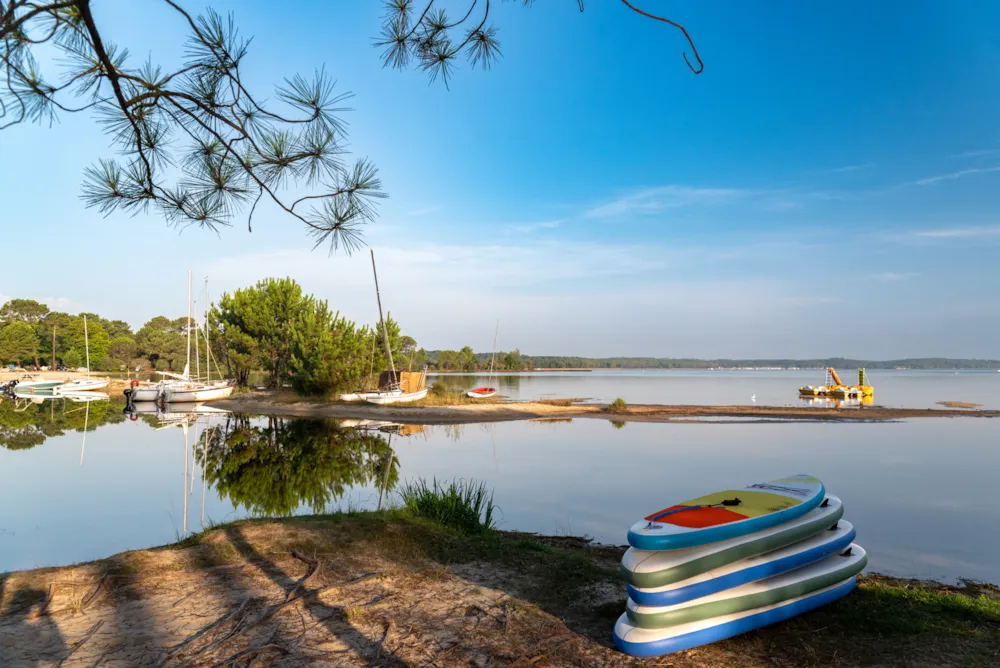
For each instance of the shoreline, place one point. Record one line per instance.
(369, 588)
(287, 404)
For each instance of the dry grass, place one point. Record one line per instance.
(959, 404)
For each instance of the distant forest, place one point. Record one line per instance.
(529, 362)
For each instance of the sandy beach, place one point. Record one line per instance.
(275, 403)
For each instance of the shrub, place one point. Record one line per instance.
(461, 505)
(617, 406)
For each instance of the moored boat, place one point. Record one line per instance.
(83, 385)
(197, 393)
(487, 390)
(396, 397)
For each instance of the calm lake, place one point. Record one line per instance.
(895, 388)
(921, 492)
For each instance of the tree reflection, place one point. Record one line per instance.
(272, 466)
(25, 424)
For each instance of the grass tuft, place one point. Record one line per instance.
(466, 506)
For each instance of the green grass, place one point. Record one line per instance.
(466, 506)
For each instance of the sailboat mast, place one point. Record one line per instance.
(385, 332)
(187, 367)
(86, 343)
(197, 353)
(493, 357)
(208, 350)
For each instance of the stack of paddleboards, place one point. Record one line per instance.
(733, 561)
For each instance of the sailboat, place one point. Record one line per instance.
(395, 392)
(84, 384)
(196, 392)
(488, 390)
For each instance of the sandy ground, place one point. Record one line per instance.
(283, 404)
(364, 591)
(172, 608)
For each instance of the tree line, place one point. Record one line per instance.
(272, 327)
(467, 360)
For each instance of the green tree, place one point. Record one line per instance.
(116, 328)
(254, 326)
(512, 361)
(327, 351)
(274, 468)
(122, 349)
(18, 342)
(80, 336)
(22, 310)
(59, 323)
(196, 144)
(163, 339)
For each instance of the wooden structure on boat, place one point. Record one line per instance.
(836, 388)
(407, 381)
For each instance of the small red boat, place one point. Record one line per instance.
(481, 392)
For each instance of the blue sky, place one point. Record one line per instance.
(828, 186)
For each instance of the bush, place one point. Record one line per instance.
(461, 505)
(617, 406)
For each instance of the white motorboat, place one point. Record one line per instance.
(83, 385)
(396, 397)
(32, 386)
(87, 384)
(84, 397)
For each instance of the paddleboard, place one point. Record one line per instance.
(657, 642)
(818, 575)
(657, 568)
(728, 514)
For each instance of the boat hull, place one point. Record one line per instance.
(83, 385)
(196, 394)
(481, 392)
(397, 398)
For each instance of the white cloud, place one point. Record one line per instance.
(527, 228)
(955, 175)
(566, 297)
(977, 153)
(667, 197)
(894, 275)
(960, 232)
(852, 168)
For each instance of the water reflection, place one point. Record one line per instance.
(273, 466)
(509, 384)
(26, 422)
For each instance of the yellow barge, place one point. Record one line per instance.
(834, 387)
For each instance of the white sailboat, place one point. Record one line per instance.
(84, 384)
(394, 394)
(196, 392)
